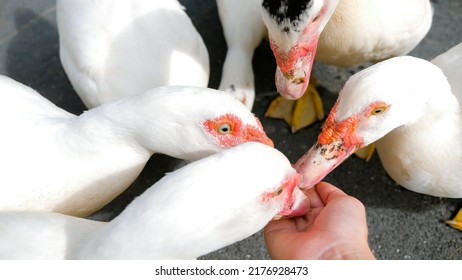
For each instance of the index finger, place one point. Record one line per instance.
(325, 192)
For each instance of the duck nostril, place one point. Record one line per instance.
(332, 150)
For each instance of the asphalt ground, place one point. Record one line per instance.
(402, 224)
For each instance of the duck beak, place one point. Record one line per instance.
(320, 160)
(255, 135)
(337, 141)
(300, 205)
(294, 69)
(296, 203)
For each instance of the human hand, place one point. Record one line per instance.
(334, 228)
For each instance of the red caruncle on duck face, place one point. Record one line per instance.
(229, 131)
(294, 40)
(337, 141)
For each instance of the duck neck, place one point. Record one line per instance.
(412, 154)
(160, 122)
(166, 223)
(127, 124)
(142, 233)
(439, 114)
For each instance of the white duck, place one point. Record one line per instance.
(52, 160)
(355, 31)
(204, 206)
(416, 121)
(114, 48)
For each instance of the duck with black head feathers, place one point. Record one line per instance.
(343, 33)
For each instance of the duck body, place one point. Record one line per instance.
(112, 49)
(416, 123)
(56, 161)
(369, 31)
(188, 213)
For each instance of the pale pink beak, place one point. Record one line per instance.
(296, 204)
(320, 160)
(294, 69)
(300, 204)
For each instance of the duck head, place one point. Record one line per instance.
(192, 122)
(294, 27)
(398, 93)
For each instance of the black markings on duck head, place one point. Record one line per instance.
(288, 13)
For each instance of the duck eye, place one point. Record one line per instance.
(224, 128)
(378, 110)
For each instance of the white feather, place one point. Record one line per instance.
(52, 160)
(356, 32)
(372, 30)
(418, 137)
(115, 48)
(243, 30)
(206, 205)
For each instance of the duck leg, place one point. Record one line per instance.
(457, 221)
